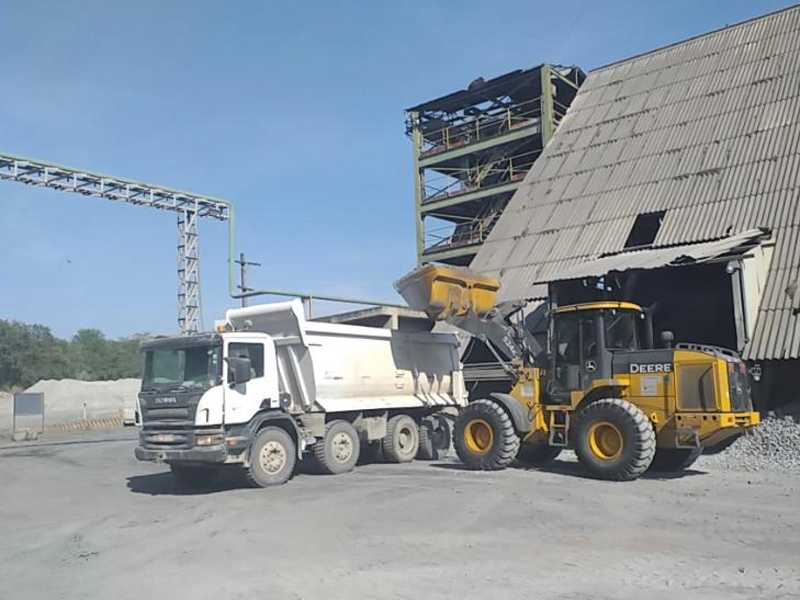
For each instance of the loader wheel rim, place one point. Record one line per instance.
(272, 457)
(478, 436)
(605, 440)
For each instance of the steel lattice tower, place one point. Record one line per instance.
(188, 206)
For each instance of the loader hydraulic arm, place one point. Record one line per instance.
(466, 300)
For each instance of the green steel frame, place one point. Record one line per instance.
(444, 134)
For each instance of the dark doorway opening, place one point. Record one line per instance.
(695, 302)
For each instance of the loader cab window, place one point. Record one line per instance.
(568, 354)
(622, 329)
(567, 339)
(577, 351)
(255, 352)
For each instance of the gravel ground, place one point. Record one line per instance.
(80, 518)
(774, 445)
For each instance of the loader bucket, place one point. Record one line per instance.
(444, 292)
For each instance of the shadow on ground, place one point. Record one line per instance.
(574, 469)
(164, 484)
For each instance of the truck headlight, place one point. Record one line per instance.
(209, 440)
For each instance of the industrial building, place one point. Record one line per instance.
(672, 181)
(472, 149)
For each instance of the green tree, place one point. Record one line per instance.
(29, 353)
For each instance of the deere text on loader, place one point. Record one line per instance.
(586, 377)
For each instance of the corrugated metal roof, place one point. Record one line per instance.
(707, 130)
(655, 258)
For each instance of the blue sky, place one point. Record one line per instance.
(291, 110)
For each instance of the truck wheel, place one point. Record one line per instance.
(273, 455)
(338, 451)
(537, 454)
(401, 442)
(434, 438)
(484, 436)
(193, 476)
(671, 460)
(614, 440)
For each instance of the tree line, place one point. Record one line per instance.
(29, 353)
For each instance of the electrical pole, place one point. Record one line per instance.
(243, 264)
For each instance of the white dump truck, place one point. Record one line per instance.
(269, 386)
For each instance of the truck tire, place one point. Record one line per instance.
(434, 438)
(193, 476)
(484, 436)
(671, 460)
(614, 440)
(537, 454)
(401, 442)
(338, 451)
(273, 455)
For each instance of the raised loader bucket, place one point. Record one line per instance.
(444, 292)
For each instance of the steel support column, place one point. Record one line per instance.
(419, 184)
(547, 111)
(188, 273)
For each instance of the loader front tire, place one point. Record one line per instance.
(672, 460)
(484, 436)
(614, 440)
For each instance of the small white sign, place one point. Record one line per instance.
(649, 386)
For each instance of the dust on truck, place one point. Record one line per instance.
(269, 387)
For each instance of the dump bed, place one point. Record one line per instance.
(332, 367)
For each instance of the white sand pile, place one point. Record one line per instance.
(65, 399)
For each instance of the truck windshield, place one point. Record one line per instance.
(621, 329)
(197, 366)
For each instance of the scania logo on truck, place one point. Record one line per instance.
(651, 368)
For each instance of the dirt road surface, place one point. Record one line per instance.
(81, 518)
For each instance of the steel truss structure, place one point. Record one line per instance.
(188, 206)
(472, 149)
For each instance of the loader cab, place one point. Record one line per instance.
(584, 338)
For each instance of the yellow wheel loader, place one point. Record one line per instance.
(586, 377)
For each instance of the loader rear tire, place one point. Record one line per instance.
(338, 451)
(537, 454)
(484, 436)
(671, 460)
(401, 442)
(434, 438)
(614, 440)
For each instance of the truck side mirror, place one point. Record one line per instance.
(238, 369)
(666, 338)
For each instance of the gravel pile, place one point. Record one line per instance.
(772, 445)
